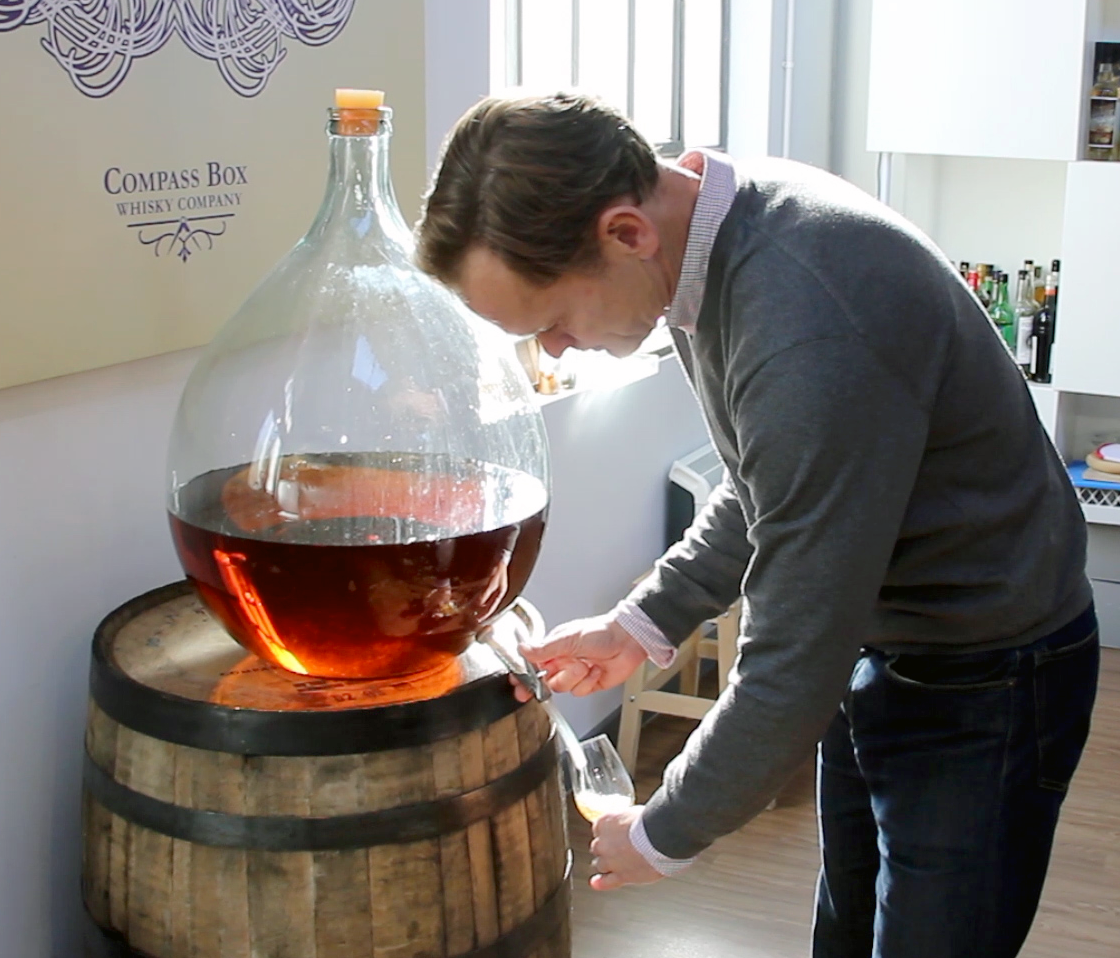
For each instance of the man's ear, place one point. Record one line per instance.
(625, 230)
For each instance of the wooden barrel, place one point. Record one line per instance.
(235, 811)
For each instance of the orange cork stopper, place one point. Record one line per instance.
(359, 99)
(359, 111)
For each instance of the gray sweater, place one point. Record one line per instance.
(890, 485)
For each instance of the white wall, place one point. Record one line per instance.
(763, 69)
(813, 56)
(611, 453)
(456, 64)
(82, 529)
(988, 210)
(848, 155)
(755, 79)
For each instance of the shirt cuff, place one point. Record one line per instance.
(660, 863)
(660, 650)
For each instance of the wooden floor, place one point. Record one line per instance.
(751, 895)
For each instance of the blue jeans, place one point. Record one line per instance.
(940, 782)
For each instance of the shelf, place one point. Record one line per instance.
(1100, 501)
(1101, 515)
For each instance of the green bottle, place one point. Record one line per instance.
(1001, 310)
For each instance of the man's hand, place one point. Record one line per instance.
(584, 656)
(616, 861)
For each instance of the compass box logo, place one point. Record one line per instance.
(178, 212)
(175, 212)
(159, 157)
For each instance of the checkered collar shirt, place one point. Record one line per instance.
(717, 193)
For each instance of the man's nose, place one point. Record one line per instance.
(554, 342)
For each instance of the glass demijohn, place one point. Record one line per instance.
(358, 471)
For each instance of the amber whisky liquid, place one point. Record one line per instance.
(593, 806)
(359, 566)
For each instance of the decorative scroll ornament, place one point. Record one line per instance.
(97, 41)
(182, 237)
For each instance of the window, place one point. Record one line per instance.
(663, 62)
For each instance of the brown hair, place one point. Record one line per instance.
(527, 178)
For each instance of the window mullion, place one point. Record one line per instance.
(631, 30)
(575, 42)
(724, 71)
(515, 43)
(676, 119)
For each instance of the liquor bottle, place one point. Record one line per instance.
(974, 281)
(1043, 338)
(1025, 311)
(1039, 287)
(1052, 280)
(964, 270)
(1103, 116)
(1001, 310)
(985, 292)
(998, 276)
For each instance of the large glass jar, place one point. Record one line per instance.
(358, 471)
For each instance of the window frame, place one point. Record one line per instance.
(514, 45)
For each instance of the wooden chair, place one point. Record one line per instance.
(644, 690)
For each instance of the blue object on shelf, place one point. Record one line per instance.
(1077, 476)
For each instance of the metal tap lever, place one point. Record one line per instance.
(518, 667)
(535, 683)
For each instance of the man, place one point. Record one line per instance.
(908, 547)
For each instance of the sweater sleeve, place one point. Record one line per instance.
(830, 444)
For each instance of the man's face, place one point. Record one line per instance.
(612, 306)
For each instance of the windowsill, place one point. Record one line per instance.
(598, 372)
(607, 377)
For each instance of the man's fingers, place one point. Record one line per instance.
(520, 693)
(592, 682)
(607, 882)
(550, 648)
(570, 675)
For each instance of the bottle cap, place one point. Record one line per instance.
(346, 99)
(358, 111)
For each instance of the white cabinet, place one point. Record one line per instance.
(1087, 351)
(1046, 403)
(998, 78)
